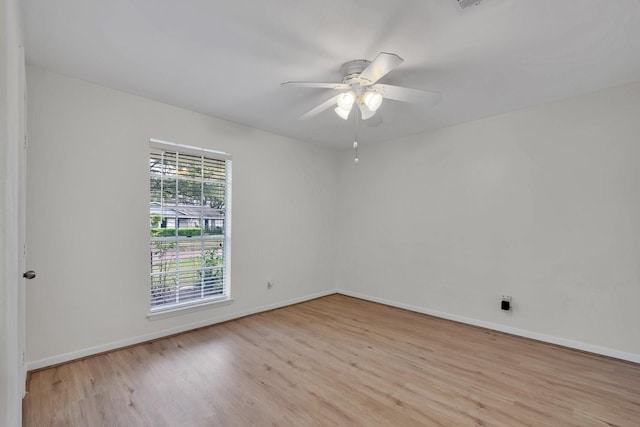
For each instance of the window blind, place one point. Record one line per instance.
(190, 205)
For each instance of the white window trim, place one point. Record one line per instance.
(191, 306)
(188, 307)
(189, 149)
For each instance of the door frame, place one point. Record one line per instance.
(12, 229)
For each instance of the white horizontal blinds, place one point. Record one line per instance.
(189, 223)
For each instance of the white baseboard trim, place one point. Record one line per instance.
(79, 354)
(604, 351)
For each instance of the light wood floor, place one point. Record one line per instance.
(338, 361)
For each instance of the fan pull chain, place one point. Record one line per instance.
(355, 147)
(355, 140)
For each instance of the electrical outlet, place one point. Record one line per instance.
(505, 304)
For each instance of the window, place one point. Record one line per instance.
(189, 219)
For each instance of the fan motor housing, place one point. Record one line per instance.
(353, 69)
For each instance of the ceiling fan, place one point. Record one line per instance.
(359, 86)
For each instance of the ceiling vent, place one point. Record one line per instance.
(468, 3)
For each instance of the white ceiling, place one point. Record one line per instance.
(227, 59)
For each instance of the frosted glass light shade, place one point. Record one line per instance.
(346, 100)
(372, 100)
(343, 112)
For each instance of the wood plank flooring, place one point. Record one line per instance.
(338, 361)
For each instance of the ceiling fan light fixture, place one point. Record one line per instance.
(346, 100)
(343, 112)
(360, 86)
(372, 100)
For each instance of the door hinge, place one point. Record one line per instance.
(25, 141)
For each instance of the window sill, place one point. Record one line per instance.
(178, 310)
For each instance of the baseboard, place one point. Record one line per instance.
(62, 358)
(604, 351)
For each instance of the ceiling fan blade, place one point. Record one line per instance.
(365, 111)
(316, 85)
(379, 67)
(320, 108)
(405, 94)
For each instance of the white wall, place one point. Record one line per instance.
(11, 132)
(88, 213)
(541, 204)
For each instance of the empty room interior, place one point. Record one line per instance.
(336, 213)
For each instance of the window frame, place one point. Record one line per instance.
(170, 309)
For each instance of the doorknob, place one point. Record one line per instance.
(29, 275)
